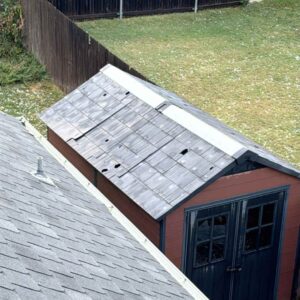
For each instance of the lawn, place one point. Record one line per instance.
(241, 64)
(29, 99)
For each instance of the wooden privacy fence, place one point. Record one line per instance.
(70, 55)
(85, 9)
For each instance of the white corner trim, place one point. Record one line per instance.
(122, 219)
(203, 130)
(129, 83)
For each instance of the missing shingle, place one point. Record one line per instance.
(127, 93)
(104, 170)
(117, 166)
(185, 151)
(211, 168)
(104, 94)
(106, 141)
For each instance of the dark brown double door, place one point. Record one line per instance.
(232, 248)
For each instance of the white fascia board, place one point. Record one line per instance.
(203, 130)
(182, 280)
(129, 83)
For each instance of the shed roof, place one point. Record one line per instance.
(59, 241)
(150, 143)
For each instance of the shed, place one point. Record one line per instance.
(60, 238)
(222, 208)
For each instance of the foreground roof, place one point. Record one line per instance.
(58, 241)
(151, 144)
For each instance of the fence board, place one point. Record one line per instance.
(70, 55)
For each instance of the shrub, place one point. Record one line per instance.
(16, 64)
(11, 21)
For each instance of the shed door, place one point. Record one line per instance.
(232, 248)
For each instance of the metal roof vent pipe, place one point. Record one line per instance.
(40, 170)
(40, 174)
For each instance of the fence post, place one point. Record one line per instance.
(196, 6)
(121, 9)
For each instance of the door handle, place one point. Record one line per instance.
(234, 269)
(230, 269)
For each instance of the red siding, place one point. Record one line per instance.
(132, 211)
(241, 184)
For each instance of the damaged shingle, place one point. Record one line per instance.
(139, 129)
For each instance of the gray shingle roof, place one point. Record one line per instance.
(150, 143)
(58, 241)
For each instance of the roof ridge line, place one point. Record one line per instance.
(129, 83)
(117, 214)
(203, 130)
(210, 134)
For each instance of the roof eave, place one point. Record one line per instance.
(278, 167)
(240, 158)
(197, 191)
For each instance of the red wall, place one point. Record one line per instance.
(241, 184)
(132, 211)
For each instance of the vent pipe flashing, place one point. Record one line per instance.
(40, 174)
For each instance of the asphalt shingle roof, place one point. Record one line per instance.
(58, 241)
(151, 144)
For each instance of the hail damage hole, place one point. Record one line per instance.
(185, 151)
(104, 170)
(117, 166)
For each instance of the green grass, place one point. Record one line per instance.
(16, 64)
(242, 64)
(29, 100)
(25, 89)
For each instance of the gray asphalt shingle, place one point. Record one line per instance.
(58, 241)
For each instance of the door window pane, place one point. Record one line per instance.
(268, 213)
(265, 238)
(218, 249)
(210, 239)
(251, 239)
(203, 230)
(253, 217)
(202, 253)
(220, 225)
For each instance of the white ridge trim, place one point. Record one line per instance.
(121, 218)
(203, 130)
(129, 83)
(177, 114)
